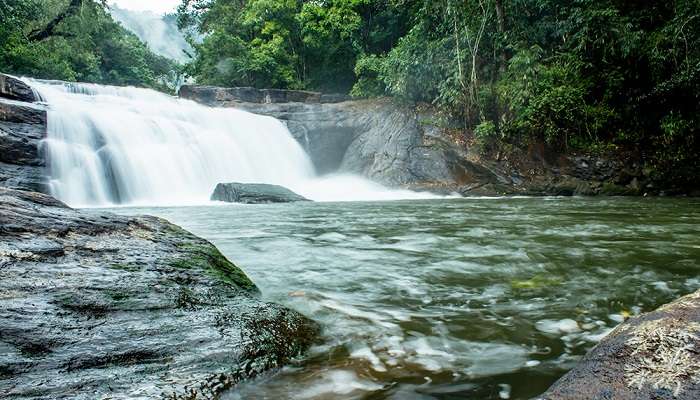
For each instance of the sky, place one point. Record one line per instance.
(156, 6)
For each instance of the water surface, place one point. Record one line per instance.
(452, 299)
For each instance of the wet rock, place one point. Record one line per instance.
(215, 95)
(650, 357)
(22, 130)
(393, 145)
(218, 96)
(95, 305)
(14, 89)
(254, 193)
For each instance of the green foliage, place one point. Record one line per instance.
(292, 44)
(368, 70)
(85, 46)
(583, 74)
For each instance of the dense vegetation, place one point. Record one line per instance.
(576, 74)
(75, 40)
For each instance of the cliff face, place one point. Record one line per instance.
(395, 146)
(22, 129)
(402, 146)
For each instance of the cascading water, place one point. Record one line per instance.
(121, 145)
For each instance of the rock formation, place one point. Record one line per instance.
(410, 147)
(254, 193)
(22, 129)
(95, 305)
(653, 356)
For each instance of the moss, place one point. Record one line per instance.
(209, 258)
(117, 295)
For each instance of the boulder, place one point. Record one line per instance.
(254, 193)
(15, 89)
(95, 305)
(650, 357)
(22, 130)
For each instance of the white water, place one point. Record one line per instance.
(121, 145)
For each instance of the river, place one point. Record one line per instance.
(451, 298)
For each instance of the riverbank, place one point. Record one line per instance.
(398, 146)
(413, 147)
(460, 298)
(98, 305)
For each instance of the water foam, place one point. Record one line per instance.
(111, 145)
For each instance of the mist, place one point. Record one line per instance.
(159, 32)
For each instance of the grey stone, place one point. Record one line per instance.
(22, 131)
(14, 89)
(653, 356)
(95, 305)
(254, 193)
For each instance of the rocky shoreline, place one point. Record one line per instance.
(409, 147)
(651, 357)
(397, 146)
(95, 305)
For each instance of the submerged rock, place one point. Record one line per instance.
(653, 356)
(254, 193)
(95, 305)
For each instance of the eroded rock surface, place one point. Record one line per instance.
(395, 146)
(412, 147)
(254, 193)
(22, 130)
(15, 89)
(655, 356)
(95, 305)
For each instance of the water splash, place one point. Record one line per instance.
(111, 145)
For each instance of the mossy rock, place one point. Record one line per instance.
(209, 258)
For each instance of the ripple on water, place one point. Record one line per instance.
(477, 298)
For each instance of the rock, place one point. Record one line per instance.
(653, 356)
(22, 130)
(95, 305)
(394, 145)
(215, 96)
(570, 186)
(14, 89)
(254, 193)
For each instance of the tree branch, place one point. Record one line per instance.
(49, 30)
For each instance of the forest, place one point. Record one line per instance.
(580, 76)
(76, 40)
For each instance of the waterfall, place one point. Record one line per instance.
(122, 145)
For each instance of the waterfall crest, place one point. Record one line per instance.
(122, 145)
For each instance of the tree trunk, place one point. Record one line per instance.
(503, 59)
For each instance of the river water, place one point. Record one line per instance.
(452, 299)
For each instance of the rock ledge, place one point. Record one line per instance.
(96, 305)
(651, 357)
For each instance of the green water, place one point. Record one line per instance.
(452, 299)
